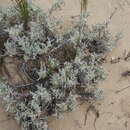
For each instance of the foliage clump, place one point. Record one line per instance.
(63, 68)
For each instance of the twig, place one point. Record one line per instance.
(86, 114)
(96, 113)
(116, 9)
(113, 13)
(127, 56)
(27, 85)
(115, 60)
(118, 91)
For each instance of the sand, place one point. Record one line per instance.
(114, 109)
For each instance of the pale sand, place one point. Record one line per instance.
(115, 108)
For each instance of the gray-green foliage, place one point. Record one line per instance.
(69, 65)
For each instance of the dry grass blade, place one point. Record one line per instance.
(24, 11)
(84, 4)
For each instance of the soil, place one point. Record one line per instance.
(114, 109)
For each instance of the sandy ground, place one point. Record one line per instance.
(114, 109)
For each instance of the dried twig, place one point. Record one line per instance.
(86, 114)
(127, 57)
(117, 8)
(96, 113)
(125, 74)
(118, 91)
(113, 13)
(115, 60)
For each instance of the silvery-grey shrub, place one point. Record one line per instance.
(69, 65)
